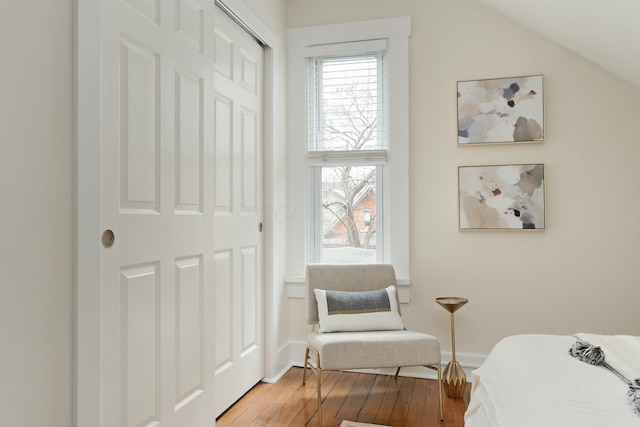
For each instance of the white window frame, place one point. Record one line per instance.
(396, 32)
(318, 157)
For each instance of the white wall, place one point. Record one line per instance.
(36, 213)
(577, 275)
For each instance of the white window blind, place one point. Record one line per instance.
(347, 103)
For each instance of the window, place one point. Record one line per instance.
(348, 133)
(347, 141)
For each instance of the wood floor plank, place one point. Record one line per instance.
(333, 399)
(308, 414)
(280, 407)
(417, 403)
(431, 413)
(401, 408)
(367, 398)
(388, 401)
(371, 407)
(258, 399)
(357, 397)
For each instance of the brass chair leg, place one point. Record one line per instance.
(319, 398)
(437, 367)
(440, 394)
(316, 370)
(304, 370)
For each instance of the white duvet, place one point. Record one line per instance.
(531, 380)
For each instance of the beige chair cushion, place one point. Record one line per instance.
(374, 349)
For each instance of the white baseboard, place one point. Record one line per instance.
(279, 363)
(468, 361)
(278, 375)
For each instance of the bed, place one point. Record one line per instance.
(531, 380)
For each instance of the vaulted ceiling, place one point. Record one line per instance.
(606, 32)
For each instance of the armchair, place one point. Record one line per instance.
(362, 349)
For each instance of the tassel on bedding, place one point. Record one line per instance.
(634, 395)
(592, 355)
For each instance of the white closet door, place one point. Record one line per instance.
(157, 197)
(239, 349)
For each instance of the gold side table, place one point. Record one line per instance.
(454, 379)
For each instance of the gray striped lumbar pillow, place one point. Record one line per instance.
(358, 311)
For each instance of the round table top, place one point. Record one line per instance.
(451, 304)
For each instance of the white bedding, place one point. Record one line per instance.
(530, 380)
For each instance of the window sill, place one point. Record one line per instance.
(295, 288)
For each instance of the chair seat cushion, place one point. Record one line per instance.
(374, 349)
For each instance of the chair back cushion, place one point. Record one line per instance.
(346, 277)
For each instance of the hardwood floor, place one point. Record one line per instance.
(367, 398)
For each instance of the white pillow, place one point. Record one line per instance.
(340, 311)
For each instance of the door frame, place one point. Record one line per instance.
(86, 199)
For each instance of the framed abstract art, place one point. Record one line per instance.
(510, 197)
(501, 111)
